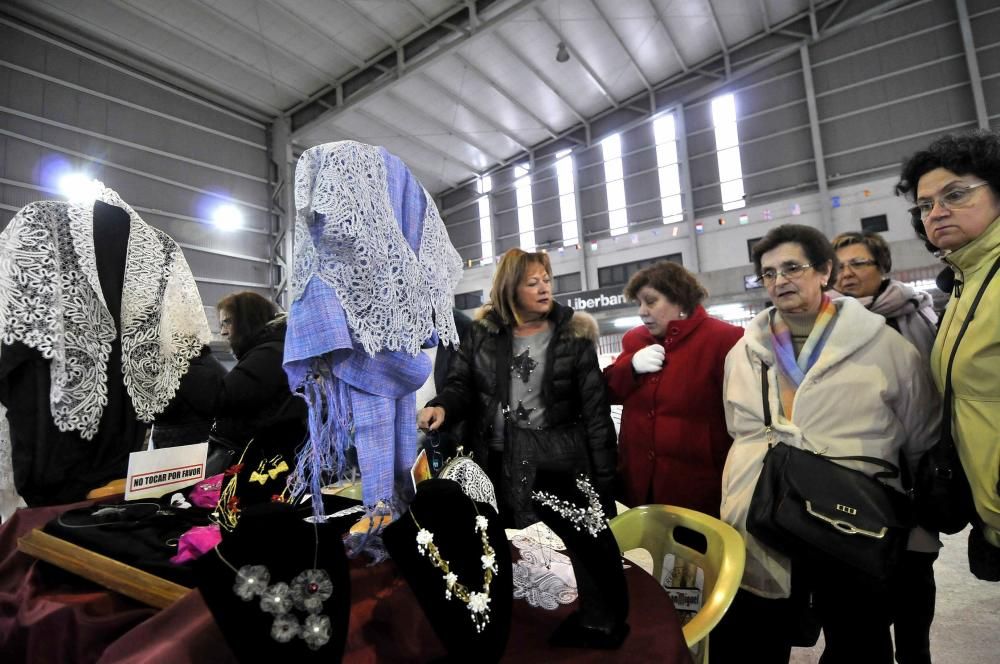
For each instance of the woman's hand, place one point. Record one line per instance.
(430, 418)
(649, 359)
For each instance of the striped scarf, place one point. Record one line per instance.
(792, 370)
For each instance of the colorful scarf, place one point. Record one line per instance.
(791, 370)
(373, 281)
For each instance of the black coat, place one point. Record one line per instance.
(580, 435)
(254, 397)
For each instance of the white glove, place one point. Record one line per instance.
(649, 359)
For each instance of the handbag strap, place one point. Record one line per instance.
(946, 438)
(889, 470)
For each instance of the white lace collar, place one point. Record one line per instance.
(394, 297)
(51, 300)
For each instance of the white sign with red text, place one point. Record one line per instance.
(156, 472)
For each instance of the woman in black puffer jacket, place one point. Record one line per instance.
(528, 386)
(254, 399)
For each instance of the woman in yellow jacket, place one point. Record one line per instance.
(955, 184)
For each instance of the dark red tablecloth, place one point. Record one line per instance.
(48, 615)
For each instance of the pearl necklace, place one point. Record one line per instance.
(478, 603)
(307, 592)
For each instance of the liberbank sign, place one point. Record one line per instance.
(597, 300)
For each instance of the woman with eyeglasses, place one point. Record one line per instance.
(955, 185)
(673, 441)
(864, 262)
(841, 383)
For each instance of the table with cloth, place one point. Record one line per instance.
(49, 615)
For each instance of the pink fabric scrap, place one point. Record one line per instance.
(206, 493)
(196, 542)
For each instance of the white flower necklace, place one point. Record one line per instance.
(307, 593)
(591, 517)
(478, 603)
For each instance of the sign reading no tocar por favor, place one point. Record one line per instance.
(156, 472)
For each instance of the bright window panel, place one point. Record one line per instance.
(726, 136)
(567, 199)
(525, 213)
(732, 195)
(664, 129)
(729, 165)
(484, 185)
(723, 110)
(615, 183)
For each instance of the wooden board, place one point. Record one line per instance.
(125, 579)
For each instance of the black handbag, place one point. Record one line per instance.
(941, 490)
(813, 509)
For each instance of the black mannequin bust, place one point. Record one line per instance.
(276, 537)
(444, 510)
(600, 620)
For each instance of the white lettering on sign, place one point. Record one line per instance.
(580, 303)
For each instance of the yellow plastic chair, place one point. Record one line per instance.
(651, 527)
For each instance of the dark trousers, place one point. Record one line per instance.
(853, 611)
(912, 593)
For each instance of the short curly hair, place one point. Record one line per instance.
(672, 281)
(969, 153)
(816, 247)
(875, 244)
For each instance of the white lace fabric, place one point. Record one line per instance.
(51, 300)
(394, 298)
(543, 577)
(474, 481)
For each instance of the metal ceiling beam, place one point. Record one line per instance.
(670, 38)
(722, 38)
(405, 68)
(187, 37)
(834, 14)
(635, 65)
(764, 17)
(583, 63)
(516, 54)
(311, 27)
(370, 25)
(368, 115)
(776, 56)
(505, 93)
(417, 12)
(478, 115)
(972, 63)
(435, 120)
(294, 58)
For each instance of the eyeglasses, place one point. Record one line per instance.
(789, 271)
(856, 264)
(955, 198)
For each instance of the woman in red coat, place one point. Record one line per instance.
(673, 440)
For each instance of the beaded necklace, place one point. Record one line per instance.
(478, 603)
(591, 517)
(307, 593)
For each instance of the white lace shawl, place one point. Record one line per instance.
(394, 298)
(51, 300)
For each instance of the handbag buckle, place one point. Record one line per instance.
(844, 526)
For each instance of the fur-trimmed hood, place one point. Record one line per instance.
(581, 324)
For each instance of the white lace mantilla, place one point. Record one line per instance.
(391, 295)
(543, 577)
(51, 300)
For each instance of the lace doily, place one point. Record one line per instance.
(51, 300)
(543, 577)
(395, 298)
(475, 483)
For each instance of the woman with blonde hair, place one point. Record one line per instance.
(527, 383)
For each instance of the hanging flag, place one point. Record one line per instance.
(744, 219)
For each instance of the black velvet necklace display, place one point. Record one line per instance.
(600, 620)
(449, 515)
(276, 537)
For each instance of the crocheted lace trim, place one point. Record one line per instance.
(50, 300)
(394, 298)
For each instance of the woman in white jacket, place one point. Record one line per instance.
(842, 383)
